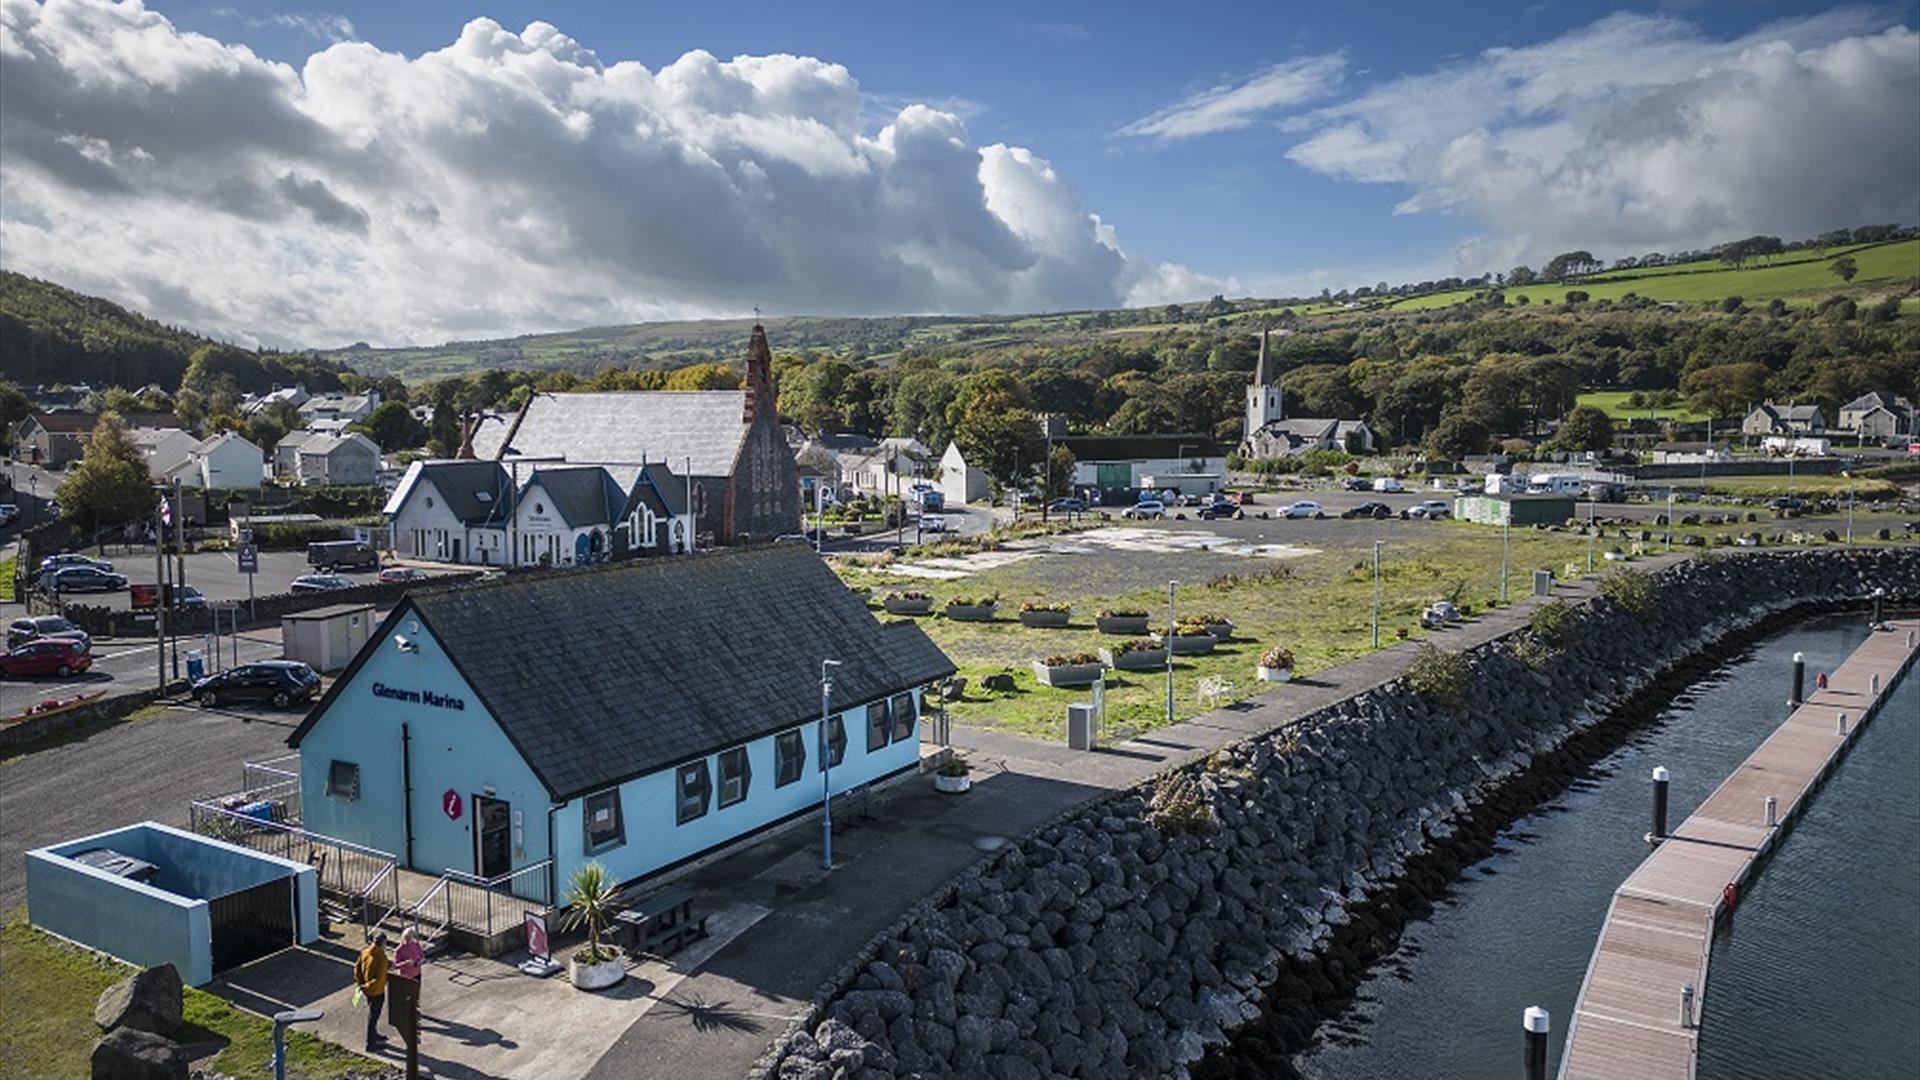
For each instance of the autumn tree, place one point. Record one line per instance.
(1587, 427)
(111, 484)
(992, 419)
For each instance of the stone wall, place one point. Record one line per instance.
(1127, 938)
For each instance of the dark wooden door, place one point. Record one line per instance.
(492, 836)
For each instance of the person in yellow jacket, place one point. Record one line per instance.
(370, 973)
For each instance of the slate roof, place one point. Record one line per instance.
(472, 490)
(1893, 403)
(1131, 447)
(601, 675)
(69, 421)
(658, 489)
(582, 494)
(613, 427)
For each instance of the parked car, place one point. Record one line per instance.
(1788, 502)
(46, 656)
(1218, 506)
(1431, 509)
(930, 498)
(1438, 614)
(394, 575)
(1305, 508)
(307, 583)
(1356, 483)
(1145, 509)
(281, 683)
(1244, 498)
(933, 523)
(334, 555)
(1387, 484)
(1187, 500)
(73, 558)
(84, 579)
(9, 513)
(21, 631)
(1368, 510)
(188, 598)
(1068, 506)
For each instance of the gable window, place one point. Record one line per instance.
(877, 726)
(789, 757)
(836, 741)
(734, 775)
(902, 717)
(604, 827)
(343, 780)
(691, 788)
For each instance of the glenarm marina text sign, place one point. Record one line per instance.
(419, 697)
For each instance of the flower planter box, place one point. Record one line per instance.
(898, 606)
(1125, 625)
(972, 612)
(1193, 644)
(1138, 660)
(597, 976)
(1048, 620)
(1274, 674)
(1221, 631)
(952, 785)
(1060, 676)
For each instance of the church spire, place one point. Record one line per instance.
(1260, 368)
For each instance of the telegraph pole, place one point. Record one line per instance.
(1171, 627)
(159, 585)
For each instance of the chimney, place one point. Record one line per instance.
(760, 397)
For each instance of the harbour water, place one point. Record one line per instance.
(1816, 970)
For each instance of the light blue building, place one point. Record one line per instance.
(639, 715)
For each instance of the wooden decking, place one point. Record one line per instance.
(1659, 929)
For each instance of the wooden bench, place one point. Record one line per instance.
(660, 923)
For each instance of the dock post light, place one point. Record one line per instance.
(1686, 1006)
(1536, 1023)
(826, 765)
(1799, 679)
(1840, 728)
(1879, 594)
(1171, 627)
(1660, 779)
(1773, 804)
(282, 1021)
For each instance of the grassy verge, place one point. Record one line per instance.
(1828, 485)
(1614, 404)
(50, 988)
(7, 567)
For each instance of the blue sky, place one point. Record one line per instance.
(1246, 147)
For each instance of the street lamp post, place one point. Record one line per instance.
(1850, 486)
(1376, 594)
(1669, 518)
(1506, 548)
(1590, 537)
(826, 765)
(1170, 630)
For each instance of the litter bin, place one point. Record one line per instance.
(196, 667)
(1543, 583)
(1080, 726)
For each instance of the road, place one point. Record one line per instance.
(123, 665)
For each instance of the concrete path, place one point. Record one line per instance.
(724, 1016)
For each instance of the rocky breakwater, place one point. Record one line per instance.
(1126, 939)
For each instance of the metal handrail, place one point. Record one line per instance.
(279, 838)
(365, 897)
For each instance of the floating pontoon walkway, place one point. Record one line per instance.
(1630, 1018)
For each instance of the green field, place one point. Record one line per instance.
(50, 988)
(1788, 277)
(1805, 486)
(1614, 404)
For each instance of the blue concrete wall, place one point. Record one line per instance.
(164, 923)
(655, 839)
(460, 750)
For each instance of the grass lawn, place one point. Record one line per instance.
(49, 988)
(1614, 404)
(1319, 606)
(7, 567)
(1769, 486)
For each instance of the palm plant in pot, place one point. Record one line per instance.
(589, 897)
(1276, 665)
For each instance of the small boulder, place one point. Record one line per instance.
(131, 1054)
(145, 1001)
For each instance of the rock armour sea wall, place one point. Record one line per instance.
(1127, 938)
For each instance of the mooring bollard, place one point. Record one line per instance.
(1799, 679)
(1842, 728)
(1659, 832)
(1536, 1023)
(1773, 812)
(1877, 594)
(1686, 1006)
(1874, 684)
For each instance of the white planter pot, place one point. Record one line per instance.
(1066, 675)
(596, 976)
(952, 785)
(1274, 674)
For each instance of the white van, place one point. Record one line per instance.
(1387, 484)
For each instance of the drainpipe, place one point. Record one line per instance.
(553, 860)
(406, 777)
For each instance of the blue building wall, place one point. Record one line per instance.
(654, 837)
(460, 750)
(165, 923)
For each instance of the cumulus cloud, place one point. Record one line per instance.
(1640, 132)
(1230, 106)
(511, 181)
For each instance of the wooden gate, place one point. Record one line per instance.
(251, 923)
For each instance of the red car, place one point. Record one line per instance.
(46, 656)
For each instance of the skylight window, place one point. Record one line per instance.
(485, 497)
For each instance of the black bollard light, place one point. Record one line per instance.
(1659, 833)
(1536, 1022)
(1799, 679)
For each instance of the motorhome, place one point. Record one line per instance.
(1555, 484)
